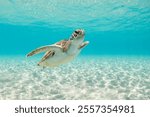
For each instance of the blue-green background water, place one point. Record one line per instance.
(16, 39)
(120, 28)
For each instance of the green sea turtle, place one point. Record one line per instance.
(63, 51)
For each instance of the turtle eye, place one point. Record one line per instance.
(77, 32)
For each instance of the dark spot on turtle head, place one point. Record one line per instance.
(77, 32)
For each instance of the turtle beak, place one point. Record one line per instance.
(80, 32)
(77, 33)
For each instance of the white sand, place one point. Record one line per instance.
(84, 78)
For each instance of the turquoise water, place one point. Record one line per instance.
(115, 65)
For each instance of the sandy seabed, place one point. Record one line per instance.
(85, 78)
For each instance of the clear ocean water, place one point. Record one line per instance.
(115, 65)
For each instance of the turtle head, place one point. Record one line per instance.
(77, 34)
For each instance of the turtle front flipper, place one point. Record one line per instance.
(83, 44)
(44, 49)
(36, 51)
